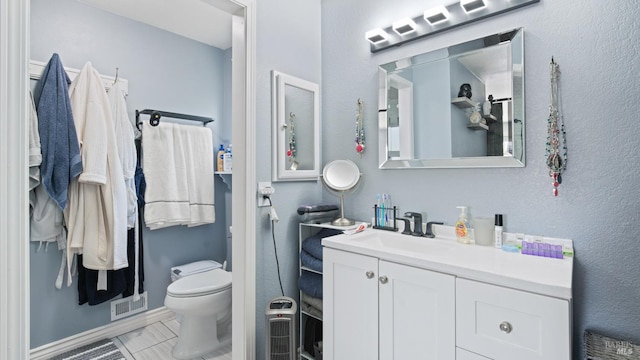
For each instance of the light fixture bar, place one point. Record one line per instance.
(376, 36)
(439, 19)
(404, 26)
(436, 15)
(472, 5)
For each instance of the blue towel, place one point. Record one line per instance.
(313, 244)
(58, 139)
(311, 283)
(310, 261)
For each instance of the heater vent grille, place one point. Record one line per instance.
(280, 335)
(122, 308)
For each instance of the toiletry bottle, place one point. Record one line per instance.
(462, 226)
(227, 160)
(220, 159)
(497, 233)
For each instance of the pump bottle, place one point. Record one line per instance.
(220, 159)
(462, 226)
(497, 233)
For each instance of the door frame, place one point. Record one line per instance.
(14, 214)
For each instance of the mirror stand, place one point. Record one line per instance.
(342, 221)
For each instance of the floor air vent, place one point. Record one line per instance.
(122, 308)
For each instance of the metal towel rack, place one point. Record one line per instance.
(155, 116)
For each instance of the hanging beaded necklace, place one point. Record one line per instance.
(291, 152)
(359, 129)
(556, 133)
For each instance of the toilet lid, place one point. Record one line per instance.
(204, 283)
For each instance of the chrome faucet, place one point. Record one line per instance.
(417, 223)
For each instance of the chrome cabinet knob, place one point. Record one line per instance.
(383, 279)
(369, 274)
(505, 327)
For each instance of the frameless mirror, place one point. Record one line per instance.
(456, 107)
(296, 128)
(341, 176)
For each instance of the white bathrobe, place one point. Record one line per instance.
(125, 141)
(96, 213)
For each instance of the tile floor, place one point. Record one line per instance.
(156, 341)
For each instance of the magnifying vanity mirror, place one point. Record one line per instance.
(296, 128)
(456, 107)
(341, 176)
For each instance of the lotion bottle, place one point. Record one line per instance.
(220, 159)
(462, 226)
(497, 232)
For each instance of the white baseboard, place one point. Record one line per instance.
(104, 332)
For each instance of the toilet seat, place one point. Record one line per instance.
(200, 284)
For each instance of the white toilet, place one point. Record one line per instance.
(201, 298)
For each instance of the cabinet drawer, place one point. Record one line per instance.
(502, 323)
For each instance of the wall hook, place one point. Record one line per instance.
(116, 78)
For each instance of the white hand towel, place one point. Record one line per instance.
(198, 146)
(165, 169)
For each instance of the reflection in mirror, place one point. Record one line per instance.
(461, 106)
(295, 128)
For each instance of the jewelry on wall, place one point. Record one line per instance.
(360, 139)
(556, 135)
(291, 152)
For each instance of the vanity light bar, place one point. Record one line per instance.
(404, 26)
(439, 19)
(436, 15)
(472, 5)
(376, 36)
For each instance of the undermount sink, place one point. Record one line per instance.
(391, 241)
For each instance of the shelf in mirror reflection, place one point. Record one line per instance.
(463, 102)
(478, 126)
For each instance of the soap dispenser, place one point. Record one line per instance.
(462, 226)
(220, 159)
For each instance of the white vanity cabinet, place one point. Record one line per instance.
(375, 309)
(389, 296)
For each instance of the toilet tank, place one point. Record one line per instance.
(181, 271)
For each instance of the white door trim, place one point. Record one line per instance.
(14, 185)
(243, 198)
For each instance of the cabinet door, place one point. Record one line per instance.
(350, 306)
(417, 313)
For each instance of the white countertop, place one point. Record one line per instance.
(546, 276)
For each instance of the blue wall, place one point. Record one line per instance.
(287, 40)
(165, 72)
(596, 45)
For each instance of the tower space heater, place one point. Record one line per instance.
(281, 329)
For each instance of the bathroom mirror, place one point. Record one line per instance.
(427, 120)
(341, 176)
(296, 128)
